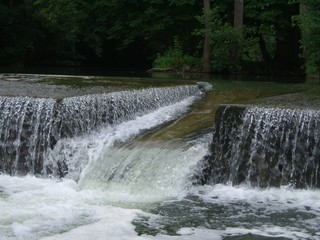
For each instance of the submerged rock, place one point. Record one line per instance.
(205, 86)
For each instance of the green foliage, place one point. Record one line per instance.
(250, 46)
(309, 22)
(61, 23)
(223, 39)
(154, 22)
(174, 58)
(268, 19)
(69, 32)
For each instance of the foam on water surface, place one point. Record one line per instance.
(226, 212)
(34, 208)
(147, 194)
(31, 207)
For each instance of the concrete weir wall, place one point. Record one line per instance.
(269, 144)
(30, 127)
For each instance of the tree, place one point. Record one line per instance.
(238, 13)
(146, 28)
(238, 24)
(125, 32)
(271, 23)
(60, 27)
(206, 46)
(309, 23)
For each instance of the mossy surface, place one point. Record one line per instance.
(59, 86)
(201, 115)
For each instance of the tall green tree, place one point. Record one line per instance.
(270, 22)
(238, 25)
(238, 13)
(61, 29)
(71, 32)
(206, 65)
(223, 38)
(155, 24)
(309, 23)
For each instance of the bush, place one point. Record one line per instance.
(309, 23)
(224, 40)
(175, 58)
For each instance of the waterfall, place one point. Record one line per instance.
(147, 171)
(266, 146)
(25, 130)
(30, 127)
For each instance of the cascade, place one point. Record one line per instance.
(30, 127)
(146, 171)
(266, 146)
(147, 164)
(25, 130)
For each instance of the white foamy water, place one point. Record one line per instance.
(33, 208)
(146, 194)
(285, 204)
(77, 152)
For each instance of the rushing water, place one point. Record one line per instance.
(266, 146)
(29, 127)
(122, 183)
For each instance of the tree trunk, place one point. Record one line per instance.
(238, 14)
(237, 24)
(267, 58)
(206, 47)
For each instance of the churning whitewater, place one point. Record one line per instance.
(99, 175)
(30, 127)
(120, 188)
(31, 208)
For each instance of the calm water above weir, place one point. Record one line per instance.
(131, 152)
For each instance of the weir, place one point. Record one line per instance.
(131, 162)
(265, 142)
(30, 127)
(267, 146)
(146, 171)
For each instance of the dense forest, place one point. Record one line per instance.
(230, 36)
